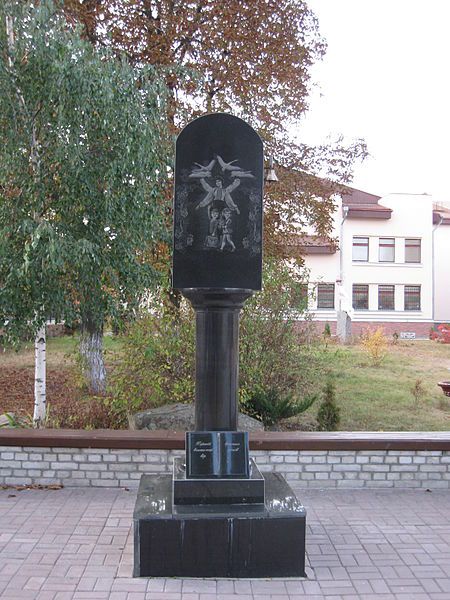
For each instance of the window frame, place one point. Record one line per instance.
(408, 292)
(382, 245)
(366, 290)
(419, 246)
(360, 245)
(319, 299)
(391, 289)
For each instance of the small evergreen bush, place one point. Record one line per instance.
(269, 407)
(328, 415)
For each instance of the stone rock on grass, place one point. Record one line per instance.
(5, 420)
(180, 417)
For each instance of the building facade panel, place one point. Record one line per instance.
(404, 260)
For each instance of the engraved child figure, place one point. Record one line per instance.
(212, 240)
(226, 224)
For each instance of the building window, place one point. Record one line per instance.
(412, 297)
(386, 297)
(361, 297)
(360, 249)
(386, 250)
(325, 295)
(412, 251)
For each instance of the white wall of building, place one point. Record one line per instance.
(411, 217)
(442, 273)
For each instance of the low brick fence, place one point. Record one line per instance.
(320, 460)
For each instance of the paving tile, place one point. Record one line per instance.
(197, 586)
(362, 545)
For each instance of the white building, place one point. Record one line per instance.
(391, 267)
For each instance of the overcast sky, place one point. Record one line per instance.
(386, 78)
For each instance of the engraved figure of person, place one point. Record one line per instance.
(212, 240)
(226, 226)
(219, 194)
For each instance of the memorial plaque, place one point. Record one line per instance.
(202, 454)
(234, 454)
(218, 205)
(217, 454)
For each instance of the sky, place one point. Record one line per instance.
(386, 78)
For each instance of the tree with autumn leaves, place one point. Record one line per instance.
(251, 58)
(248, 57)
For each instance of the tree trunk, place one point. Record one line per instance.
(91, 350)
(40, 400)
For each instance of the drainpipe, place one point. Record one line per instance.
(341, 320)
(441, 218)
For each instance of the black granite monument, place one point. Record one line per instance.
(216, 515)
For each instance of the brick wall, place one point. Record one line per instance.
(422, 330)
(101, 467)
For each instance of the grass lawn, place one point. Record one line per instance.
(61, 352)
(370, 398)
(379, 398)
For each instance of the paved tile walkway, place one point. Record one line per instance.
(362, 545)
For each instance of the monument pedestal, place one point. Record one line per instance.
(218, 516)
(218, 540)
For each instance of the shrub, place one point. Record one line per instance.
(328, 415)
(158, 361)
(269, 407)
(444, 333)
(327, 331)
(158, 357)
(89, 412)
(375, 344)
(275, 359)
(418, 391)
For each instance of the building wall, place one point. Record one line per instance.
(411, 217)
(400, 328)
(442, 274)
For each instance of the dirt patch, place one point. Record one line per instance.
(17, 389)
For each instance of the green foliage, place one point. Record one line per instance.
(82, 165)
(12, 421)
(327, 331)
(158, 357)
(328, 415)
(273, 352)
(270, 408)
(158, 361)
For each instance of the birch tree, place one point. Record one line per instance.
(40, 399)
(83, 161)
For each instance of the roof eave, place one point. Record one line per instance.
(357, 213)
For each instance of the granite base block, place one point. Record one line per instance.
(233, 540)
(216, 491)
